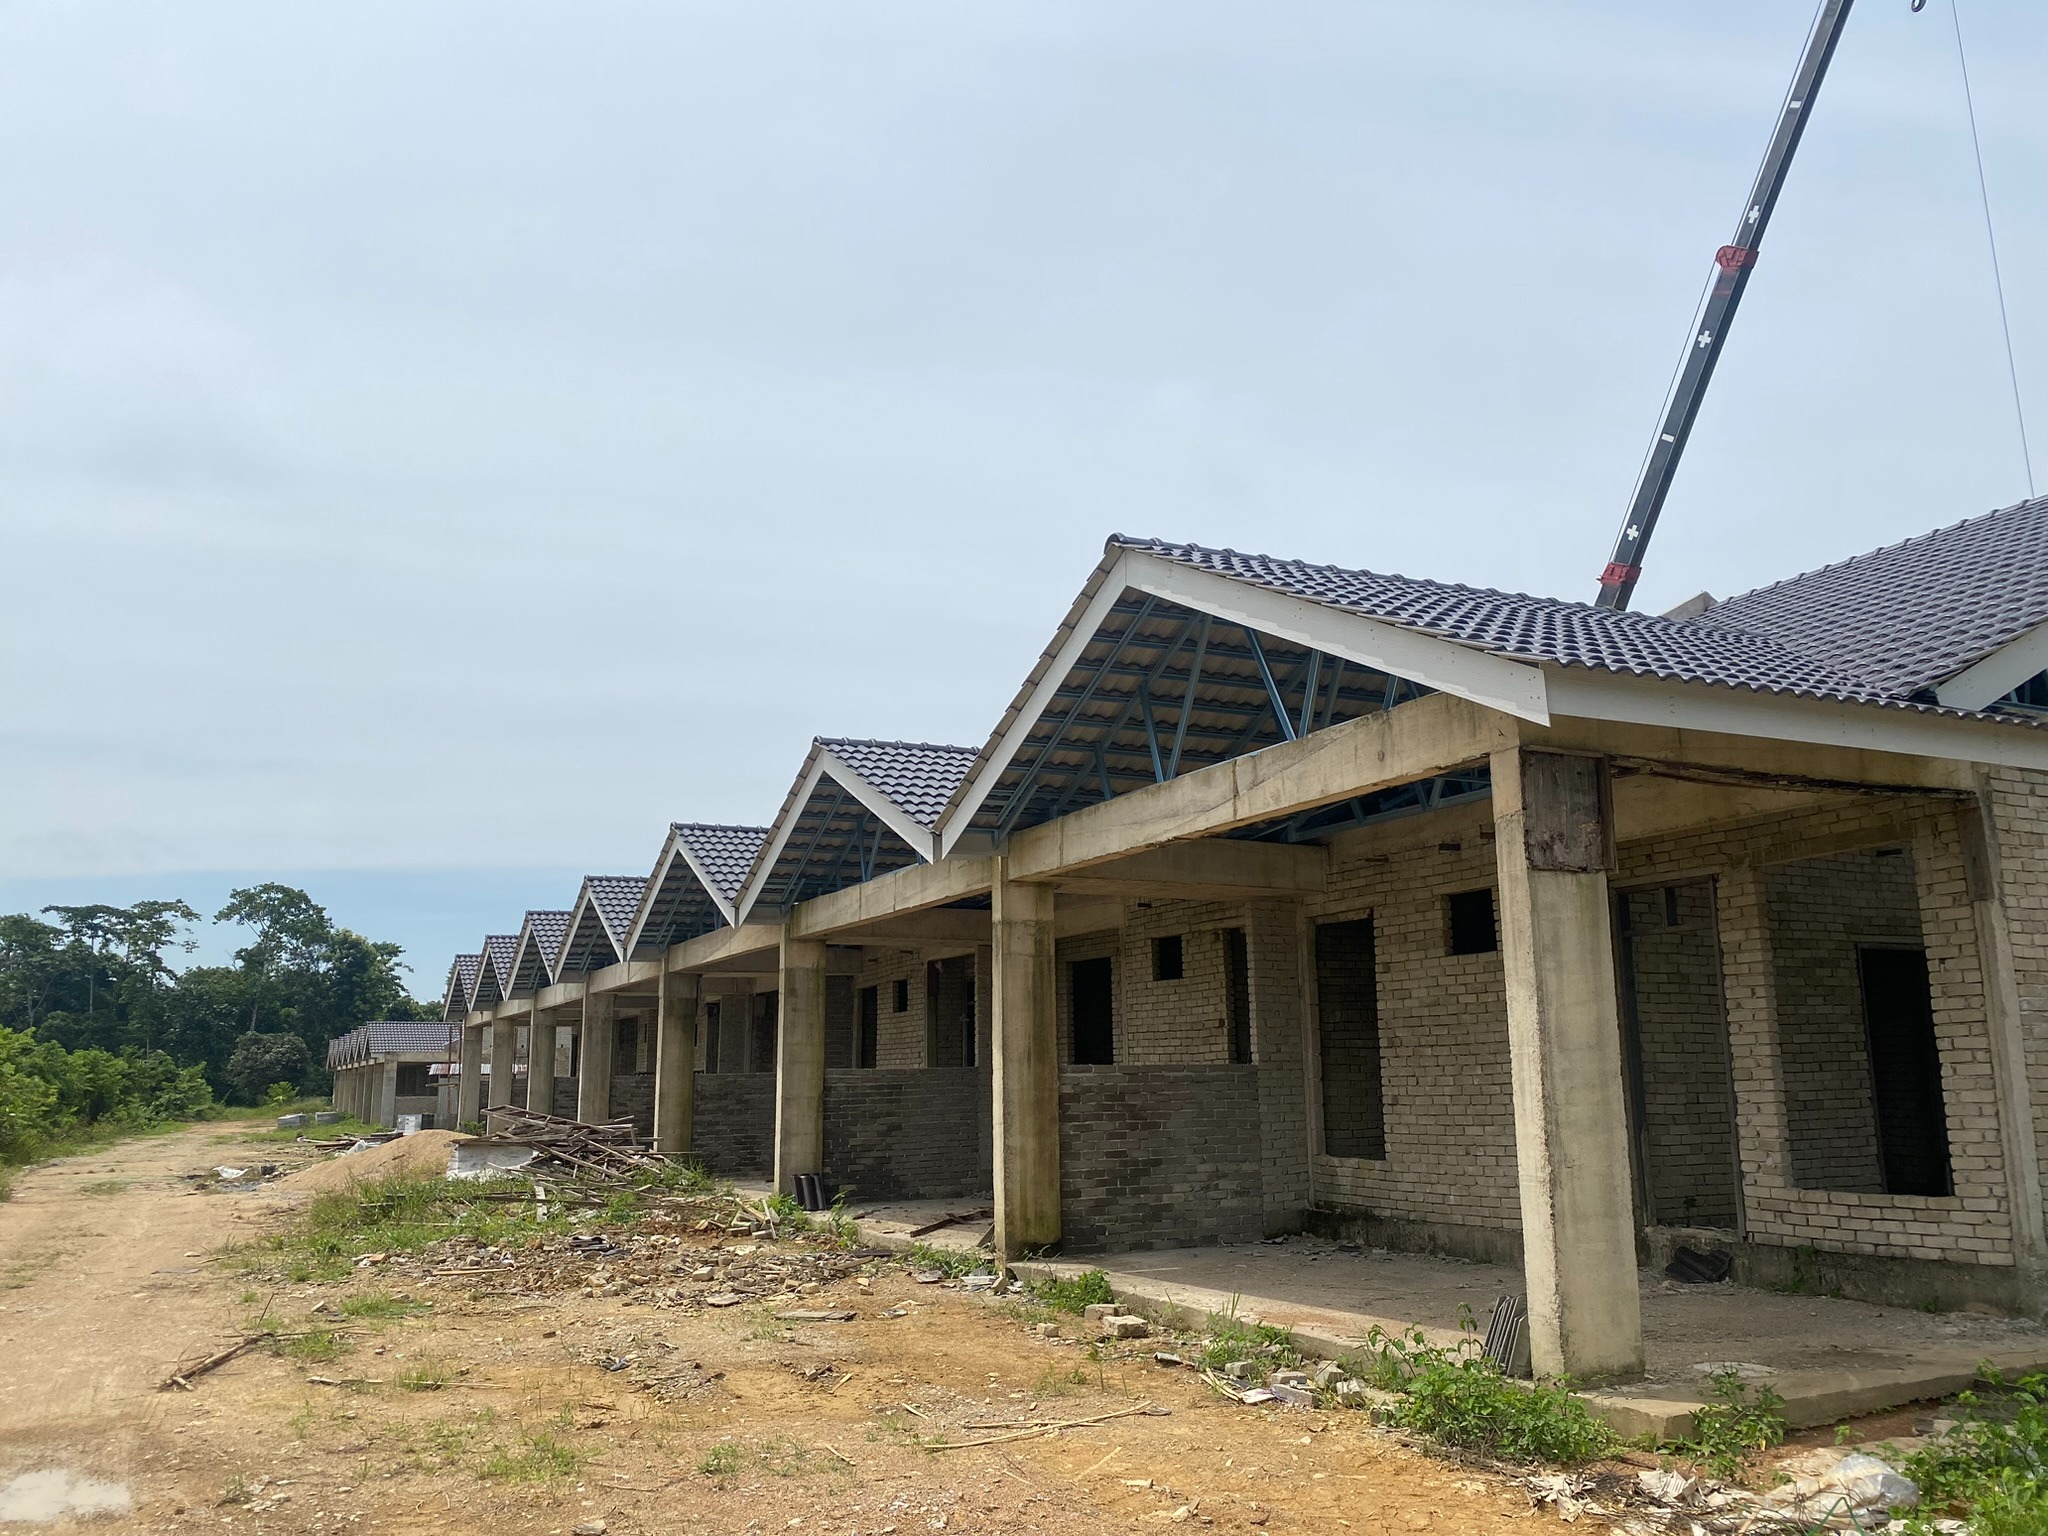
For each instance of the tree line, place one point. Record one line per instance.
(97, 1023)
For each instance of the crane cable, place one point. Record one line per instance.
(1991, 238)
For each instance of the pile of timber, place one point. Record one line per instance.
(611, 1153)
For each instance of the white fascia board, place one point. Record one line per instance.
(1582, 694)
(764, 862)
(1512, 687)
(922, 843)
(1114, 581)
(1991, 679)
(652, 892)
(583, 899)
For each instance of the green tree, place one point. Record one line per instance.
(260, 1060)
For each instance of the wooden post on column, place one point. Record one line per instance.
(1024, 1047)
(469, 1083)
(800, 1064)
(1553, 845)
(594, 1058)
(675, 1062)
(540, 1062)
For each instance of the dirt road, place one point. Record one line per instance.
(456, 1411)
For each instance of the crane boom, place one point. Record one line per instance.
(1733, 263)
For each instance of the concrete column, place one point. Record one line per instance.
(387, 1093)
(504, 1051)
(540, 1063)
(1275, 939)
(469, 1085)
(1024, 1056)
(800, 1064)
(594, 1058)
(675, 1062)
(1564, 1043)
(2005, 1024)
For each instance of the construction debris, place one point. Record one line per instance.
(611, 1153)
(181, 1379)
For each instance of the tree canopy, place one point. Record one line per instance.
(101, 978)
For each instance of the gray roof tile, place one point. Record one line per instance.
(917, 776)
(725, 854)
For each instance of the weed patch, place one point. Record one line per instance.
(1232, 1338)
(315, 1346)
(1735, 1426)
(377, 1307)
(777, 1458)
(1077, 1294)
(537, 1459)
(1993, 1467)
(951, 1262)
(397, 1216)
(424, 1376)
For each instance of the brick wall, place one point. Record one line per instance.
(732, 1122)
(2019, 808)
(1681, 1044)
(1819, 910)
(1159, 1156)
(907, 1133)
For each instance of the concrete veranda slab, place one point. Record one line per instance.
(1829, 1359)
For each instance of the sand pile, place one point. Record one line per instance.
(421, 1156)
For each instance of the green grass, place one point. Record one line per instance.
(376, 1306)
(951, 1262)
(316, 1346)
(777, 1458)
(537, 1459)
(1735, 1426)
(424, 1376)
(1993, 1468)
(722, 1460)
(397, 1216)
(1458, 1398)
(1075, 1295)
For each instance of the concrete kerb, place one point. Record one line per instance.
(1812, 1398)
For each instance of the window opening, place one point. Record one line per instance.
(1905, 1070)
(1237, 982)
(1093, 984)
(868, 1028)
(626, 1048)
(839, 1027)
(1168, 961)
(949, 1011)
(1347, 1005)
(1473, 930)
(761, 1048)
(412, 1080)
(900, 1001)
(711, 1037)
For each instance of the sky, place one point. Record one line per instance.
(441, 444)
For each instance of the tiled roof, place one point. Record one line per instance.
(548, 928)
(462, 980)
(917, 776)
(1833, 634)
(725, 854)
(1913, 614)
(617, 898)
(386, 1037)
(499, 948)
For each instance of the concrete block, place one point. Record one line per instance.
(1099, 1312)
(1123, 1328)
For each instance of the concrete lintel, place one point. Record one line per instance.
(916, 928)
(717, 949)
(1411, 741)
(1209, 869)
(914, 888)
(1695, 711)
(560, 995)
(513, 1008)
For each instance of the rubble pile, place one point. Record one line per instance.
(608, 1154)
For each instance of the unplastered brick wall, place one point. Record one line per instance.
(899, 1037)
(1449, 1103)
(1184, 1021)
(1087, 946)
(732, 1122)
(2018, 800)
(1969, 1226)
(1681, 1032)
(1159, 1157)
(907, 1133)
(1820, 911)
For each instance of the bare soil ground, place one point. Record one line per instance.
(510, 1413)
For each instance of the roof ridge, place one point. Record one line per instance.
(872, 741)
(713, 826)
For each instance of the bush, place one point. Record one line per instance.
(1993, 1467)
(1077, 1295)
(1727, 1432)
(1460, 1398)
(49, 1094)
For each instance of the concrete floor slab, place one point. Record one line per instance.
(1828, 1358)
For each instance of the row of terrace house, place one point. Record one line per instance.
(1490, 925)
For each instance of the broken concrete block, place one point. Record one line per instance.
(1120, 1327)
(1241, 1370)
(1328, 1374)
(1097, 1311)
(1294, 1394)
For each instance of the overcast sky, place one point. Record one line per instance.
(442, 443)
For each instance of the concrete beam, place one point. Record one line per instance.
(920, 928)
(626, 976)
(513, 1008)
(560, 995)
(720, 948)
(1212, 869)
(1416, 740)
(915, 888)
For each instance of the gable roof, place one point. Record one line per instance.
(858, 809)
(533, 957)
(595, 935)
(461, 989)
(494, 973)
(1134, 686)
(695, 885)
